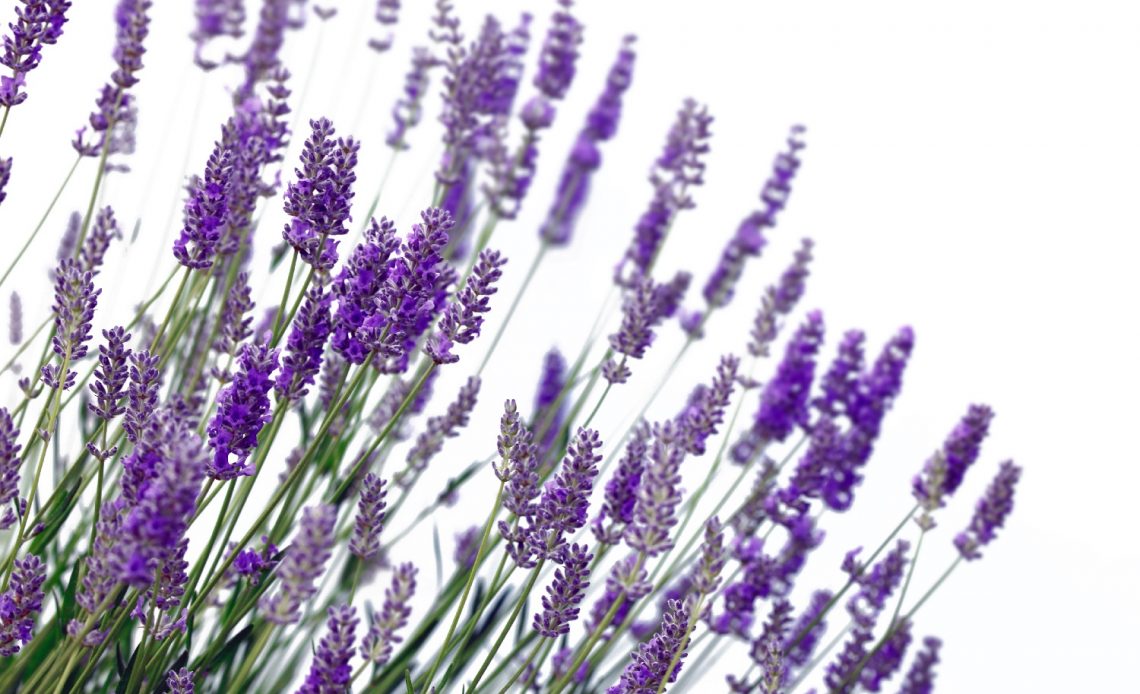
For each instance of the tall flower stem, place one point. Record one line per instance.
(467, 587)
(40, 224)
(523, 596)
(522, 668)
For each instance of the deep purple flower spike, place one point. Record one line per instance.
(659, 494)
(243, 409)
(920, 677)
(319, 200)
(303, 564)
(111, 375)
(945, 470)
(206, 211)
(74, 307)
(305, 346)
(462, 319)
(215, 19)
(990, 512)
(10, 464)
(330, 670)
(365, 540)
(784, 400)
(38, 23)
(180, 681)
(565, 593)
(652, 660)
(377, 645)
(20, 604)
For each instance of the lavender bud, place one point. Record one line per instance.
(807, 630)
(408, 110)
(142, 392)
(658, 495)
(319, 200)
(376, 647)
(38, 24)
(234, 323)
(946, 469)
(75, 299)
(565, 593)
(565, 501)
(103, 231)
(784, 400)
(20, 604)
(357, 287)
(622, 489)
(842, 377)
(243, 409)
(990, 512)
(438, 428)
(111, 375)
(462, 319)
(10, 464)
(652, 660)
(180, 681)
(920, 677)
(365, 540)
(330, 670)
(214, 19)
(303, 564)
(883, 664)
(305, 346)
(206, 211)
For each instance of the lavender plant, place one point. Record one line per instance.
(239, 508)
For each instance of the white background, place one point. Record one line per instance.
(971, 170)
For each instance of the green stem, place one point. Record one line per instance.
(507, 627)
(43, 219)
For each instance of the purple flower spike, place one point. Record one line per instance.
(990, 512)
(462, 319)
(358, 285)
(387, 14)
(659, 494)
(330, 671)
(206, 211)
(414, 291)
(75, 299)
(5, 173)
(621, 491)
(243, 409)
(701, 418)
(559, 53)
(881, 666)
(142, 392)
(306, 346)
(946, 469)
(39, 23)
(779, 300)
(319, 200)
(679, 168)
(15, 319)
(20, 604)
(234, 325)
(877, 585)
(565, 593)
(784, 400)
(214, 19)
(261, 58)
(103, 231)
(842, 377)
(801, 640)
(180, 681)
(376, 647)
(565, 501)
(408, 110)
(920, 677)
(365, 540)
(706, 575)
(113, 121)
(303, 564)
(652, 661)
(110, 375)
(749, 238)
(549, 404)
(438, 428)
(9, 468)
(585, 157)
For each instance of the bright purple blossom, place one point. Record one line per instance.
(5, 173)
(39, 23)
(990, 512)
(142, 392)
(946, 469)
(622, 488)
(10, 465)
(330, 670)
(319, 200)
(75, 299)
(305, 346)
(701, 418)
(462, 319)
(103, 230)
(886, 661)
(206, 211)
(180, 681)
(653, 661)
(784, 400)
(920, 677)
(20, 604)
(659, 494)
(243, 409)
(565, 500)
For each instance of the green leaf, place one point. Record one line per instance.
(408, 682)
(438, 554)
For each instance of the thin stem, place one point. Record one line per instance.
(530, 273)
(43, 218)
(518, 673)
(510, 622)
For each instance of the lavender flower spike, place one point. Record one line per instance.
(565, 593)
(9, 468)
(38, 24)
(549, 404)
(365, 540)
(945, 470)
(114, 117)
(408, 110)
(303, 564)
(180, 681)
(319, 200)
(659, 494)
(75, 299)
(330, 671)
(206, 211)
(142, 392)
(20, 604)
(779, 300)
(621, 491)
(920, 677)
(990, 512)
(305, 346)
(651, 663)
(5, 174)
(784, 400)
(749, 238)
(376, 646)
(439, 428)
(243, 409)
(111, 375)
(103, 231)
(565, 501)
(462, 319)
(706, 574)
(585, 156)
(214, 19)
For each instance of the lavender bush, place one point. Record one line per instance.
(234, 501)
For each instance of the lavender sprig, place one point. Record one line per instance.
(989, 513)
(365, 540)
(20, 604)
(565, 593)
(330, 670)
(462, 319)
(303, 564)
(39, 23)
(243, 408)
(376, 646)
